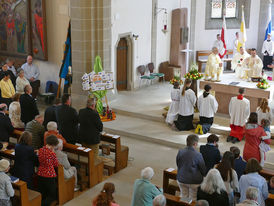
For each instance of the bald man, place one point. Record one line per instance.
(214, 66)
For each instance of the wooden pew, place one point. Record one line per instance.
(121, 152)
(94, 167)
(206, 53)
(175, 201)
(27, 197)
(65, 186)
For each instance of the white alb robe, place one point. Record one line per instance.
(239, 111)
(269, 47)
(235, 46)
(187, 103)
(237, 63)
(263, 115)
(207, 106)
(255, 66)
(212, 66)
(219, 45)
(174, 106)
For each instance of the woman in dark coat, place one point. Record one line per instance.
(25, 159)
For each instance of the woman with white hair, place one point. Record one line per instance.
(21, 82)
(159, 200)
(213, 189)
(69, 171)
(251, 197)
(52, 130)
(144, 191)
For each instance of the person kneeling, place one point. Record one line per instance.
(207, 106)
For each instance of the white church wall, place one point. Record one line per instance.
(204, 38)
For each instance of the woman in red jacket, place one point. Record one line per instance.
(253, 136)
(46, 173)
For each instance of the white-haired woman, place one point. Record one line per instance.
(69, 171)
(159, 200)
(52, 130)
(213, 189)
(144, 191)
(21, 82)
(251, 197)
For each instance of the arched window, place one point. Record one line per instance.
(219, 6)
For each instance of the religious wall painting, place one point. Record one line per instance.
(22, 28)
(39, 40)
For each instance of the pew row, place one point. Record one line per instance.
(94, 167)
(121, 152)
(170, 187)
(26, 196)
(65, 187)
(175, 201)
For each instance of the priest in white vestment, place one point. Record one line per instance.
(207, 106)
(253, 65)
(235, 44)
(239, 110)
(237, 62)
(214, 66)
(219, 44)
(174, 106)
(267, 50)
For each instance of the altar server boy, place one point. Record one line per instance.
(207, 106)
(174, 106)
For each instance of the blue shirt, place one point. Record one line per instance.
(254, 180)
(191, 166)
(144, 192)
(31, 71)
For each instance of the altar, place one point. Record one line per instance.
(229, 86)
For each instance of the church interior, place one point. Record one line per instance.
(136, 90)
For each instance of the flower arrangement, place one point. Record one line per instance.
(176, 79)
(193, 73)
(263, 84)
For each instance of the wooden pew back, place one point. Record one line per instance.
(24, 194)
(94, 170)
(175, 201)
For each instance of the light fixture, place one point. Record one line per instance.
(135, 36)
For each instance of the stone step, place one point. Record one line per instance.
(160, 133)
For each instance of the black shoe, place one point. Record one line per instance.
(235, 140)
(229, 138)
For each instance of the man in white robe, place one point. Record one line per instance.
(253, 65)
(237, 62)
(267, 51)
(207, 106)
(214, 66)
(239, 110)
(235, 44)
(219, 44)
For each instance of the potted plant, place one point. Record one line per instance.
(263, 84)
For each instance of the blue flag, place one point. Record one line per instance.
(269, 22)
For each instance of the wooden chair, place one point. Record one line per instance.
(26, 196)
(121, 152)
(94, 167)
(65, 186)
(168, 70)
(142, 70)
(150, 67)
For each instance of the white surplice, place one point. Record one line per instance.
(219, 45)
(268, 48)
(207, 106)
(239, 111)
(174, 106)
(187, 103)
(235, 46)
(237, 63)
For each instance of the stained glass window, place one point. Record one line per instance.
(217, 7)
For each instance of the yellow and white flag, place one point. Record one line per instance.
(242, 34)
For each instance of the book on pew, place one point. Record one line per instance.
(14, 179)
(186, 200)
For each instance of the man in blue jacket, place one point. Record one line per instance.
(191, 168)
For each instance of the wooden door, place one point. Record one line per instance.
(122, 65)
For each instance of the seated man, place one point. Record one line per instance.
(32, 73)
(210, 152)
(10, 66)
(28, 105)
(253, 65)
(144, 191)
(12, 76)
(237, 62)
(239, 163)
(214, 66)
(35, 127)
(6, 127)
(7, 89)
(52, 130)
